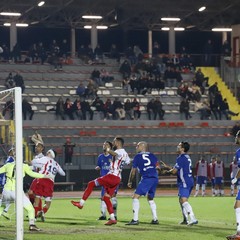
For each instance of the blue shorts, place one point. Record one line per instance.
(201, 180)
(184, 192)
(238, 195)
(218, 181)
(147, 186)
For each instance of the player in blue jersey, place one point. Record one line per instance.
(147, 165)
(237, 203)
(10, 159)
(103, 164)
(183, 169)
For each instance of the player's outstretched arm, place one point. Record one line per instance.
(131, 176)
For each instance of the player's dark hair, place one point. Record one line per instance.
(120, 140)
(55, 152)
(110, 144)
(185, 146)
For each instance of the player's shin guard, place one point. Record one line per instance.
(45, 209)
(37, 209)
(30, 210)
(109, 204)
(153, 207)
(136, 206)
(203, 189)
(88, 190)
(114, 203)
(237, 212)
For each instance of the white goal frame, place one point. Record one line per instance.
(19, 160)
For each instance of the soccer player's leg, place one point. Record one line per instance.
(103, 207)
(86, 194)
(152, 204)
(184, 194)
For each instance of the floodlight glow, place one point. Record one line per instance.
(222, 29)
(102, 27)
(201, 8)
(14, 14)
(17, 24)
(165, 28)
(170, 19)
(91, 17)
(41, 3)
(87, 27)
(179, 29)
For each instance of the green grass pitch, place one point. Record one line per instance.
(65, 222)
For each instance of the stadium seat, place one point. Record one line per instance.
(72, 92)
(162, 124)
(35, 99)
(204, 124)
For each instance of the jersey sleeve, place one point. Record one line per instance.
(60, 171)
(3, 169)
(29, 172)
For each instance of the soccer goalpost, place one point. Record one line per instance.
(16, 96)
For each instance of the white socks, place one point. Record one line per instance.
(237, 211)
(114, 203)
(187, 207)
(136, 206)
(153, 207)
(103, 208)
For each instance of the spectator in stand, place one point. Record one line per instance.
(95, 76)
(68, 151)
(68, 108)
(126, 86)
(42, 53)
(130, 55)
(60, 112)
(235, 129)
(19, 82)
(158, 109)
(156, 49)
(98, 53)
(55, 59)
(27, 109)
(134, 83)
(159, 84)
(77, 109)
(183, 90)
(118, 109)
(200, 80)
(9, 82)
(86, 108)
(201, 176)
(138, 53)
(226, 49)
(80, 91)
(125, 69)
(215, 105)
(150, 109)
(204, 109)
(136, 109)
(91, 90)
(208, 51)
(8, 107)
(32, 53)
(98, 106)
(128, 107)
(16, 53)
(5, 53)
(114, 53)
(90, 54)
(184, 108)
(109, 108)
(64, 49)
(105, 76)
(219, 173)
(224, 109)
(233, 173)
(82, 54)
(212, 90)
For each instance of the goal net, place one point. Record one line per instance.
(11, 136)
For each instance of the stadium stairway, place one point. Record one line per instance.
(225, 91)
